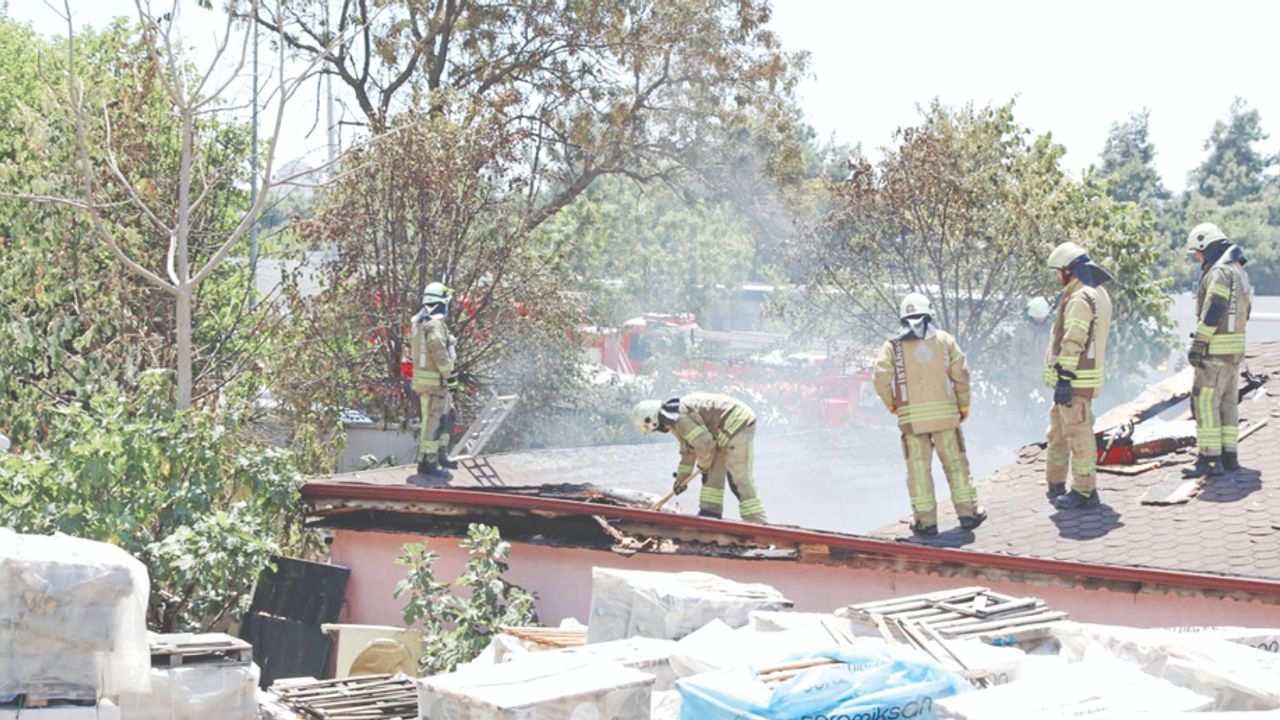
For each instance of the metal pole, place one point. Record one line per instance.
(328, 89)
(253, 177)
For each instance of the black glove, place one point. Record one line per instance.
(680, 485)
(451, 382)
(1196, 355)
(1062, 389)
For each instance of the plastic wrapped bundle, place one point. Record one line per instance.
(537, 688)
(647, 654)
(631, 603)
(72, 618)
(857, 683)
(196, 692)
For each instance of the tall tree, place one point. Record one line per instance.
(633, 87)
(1128, 163)
(1235, 169)
(965, 209)
(166, 209)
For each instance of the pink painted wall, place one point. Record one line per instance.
(561, 577)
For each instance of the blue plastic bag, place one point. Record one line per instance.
(872, 683)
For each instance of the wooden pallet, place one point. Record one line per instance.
(959, 613)
(199, 649)
(364, 697)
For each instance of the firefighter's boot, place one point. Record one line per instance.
(430, 473)
(1230, 460)
(709, 514)
(1074, 500)
(1055, 489)
(1205, 467)
(969, 522)
(923, 530)
(442, 459)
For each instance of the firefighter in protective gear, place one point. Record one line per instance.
(1223, 302)
(434, 355)
(922, 377)
(1073, 368)
(1026, 348)
(716, 434)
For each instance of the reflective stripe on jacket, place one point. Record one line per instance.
(1078, 341)
(1226, 286)
(925, 381)
(433, 352)
(706, 423)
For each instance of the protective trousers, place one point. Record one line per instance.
(734, 462)
(918, 449)
(435, 405)
(1071, 445)
(1216, 397)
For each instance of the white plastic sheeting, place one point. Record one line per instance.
(629, 603)
(196, 692)
(1098, 686)
(73, 613)
(649, 655)
(537, 688)
(717, 646)
(1235, 677)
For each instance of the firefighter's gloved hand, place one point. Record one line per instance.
(1196, 355)
(452, 383)
(964, 414)
(1062, 389)
(681, 483)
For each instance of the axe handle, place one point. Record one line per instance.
(665, 498)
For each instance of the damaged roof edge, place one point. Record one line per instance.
(1258, 588)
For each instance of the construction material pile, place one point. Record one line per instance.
(699, 647)
(72, 624)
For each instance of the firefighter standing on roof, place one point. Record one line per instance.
(922, 377)
(1073, 368)
(716, 434)
(434, 355)
(1222, 308)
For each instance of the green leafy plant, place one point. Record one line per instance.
(191, 494)
(456, 627)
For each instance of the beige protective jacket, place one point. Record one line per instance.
(1223, 305)
(705, 424)
(1078, 341)
(433, 352)
(924, 381)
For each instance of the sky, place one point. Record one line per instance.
(1074, 68)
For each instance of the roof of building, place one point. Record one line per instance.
(1231, 527)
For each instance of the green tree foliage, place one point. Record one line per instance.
(457, 627)
(1234, 187)
(965, 208)
(410, 210)
(193, 495)
(77, 324)
(1128, 163)
(1234, 170)
(646, 250)
(639, 88)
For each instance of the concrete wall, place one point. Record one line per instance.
(561, 578)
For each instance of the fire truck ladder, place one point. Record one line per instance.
(467, 452)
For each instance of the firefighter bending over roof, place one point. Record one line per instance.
(716, 434)
(1073, 368)
(922, 377)
(434, 376)
(1217, 349)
